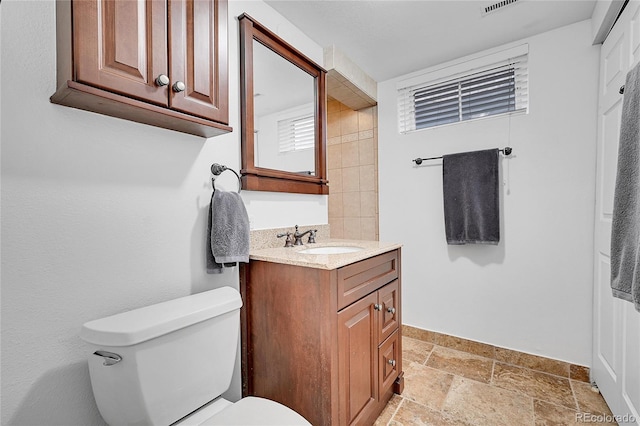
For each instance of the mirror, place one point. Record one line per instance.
(283, 115)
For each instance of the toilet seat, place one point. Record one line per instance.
(251, 411)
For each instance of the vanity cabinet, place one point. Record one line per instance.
(162, 63)
(326, 343)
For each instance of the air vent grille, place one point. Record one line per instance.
(497, 6)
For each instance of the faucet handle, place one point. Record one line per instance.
(312, 236)
(289, 241)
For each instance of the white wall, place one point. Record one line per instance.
(532, 292)
(101, 215)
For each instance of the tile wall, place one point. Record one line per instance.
(352, 163)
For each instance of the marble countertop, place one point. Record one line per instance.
(292, 255)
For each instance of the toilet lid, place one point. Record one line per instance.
(253, 411)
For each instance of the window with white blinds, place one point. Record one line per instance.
(495, 89)
(296, 134)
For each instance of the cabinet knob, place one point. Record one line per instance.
(391, 310)
(162, 80)
(392, 362)
(179, 86)
(377, 307)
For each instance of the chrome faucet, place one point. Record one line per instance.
(298, 236)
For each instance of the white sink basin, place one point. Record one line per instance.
(331, 250)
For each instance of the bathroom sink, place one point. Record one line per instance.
(331, 250)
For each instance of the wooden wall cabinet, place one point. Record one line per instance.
(163, 63)
(326, 343)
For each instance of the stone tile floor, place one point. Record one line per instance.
(444, 386)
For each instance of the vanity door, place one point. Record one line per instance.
(357, 359)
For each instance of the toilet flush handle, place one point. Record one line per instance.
(109, 357)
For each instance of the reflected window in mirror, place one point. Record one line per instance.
(283, 114)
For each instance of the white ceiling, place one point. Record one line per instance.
(389, 38)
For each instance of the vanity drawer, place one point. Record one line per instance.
(359, 279)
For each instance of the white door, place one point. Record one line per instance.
(616, 342)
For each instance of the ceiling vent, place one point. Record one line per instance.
(497, 6)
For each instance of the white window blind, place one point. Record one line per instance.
(495, 89)
(295, 134)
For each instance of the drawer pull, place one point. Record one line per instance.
(392, 362)
(377, 307)
(391, 310)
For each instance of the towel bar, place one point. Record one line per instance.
(507, 150)
(217, 170)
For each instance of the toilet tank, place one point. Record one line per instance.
(175, 357)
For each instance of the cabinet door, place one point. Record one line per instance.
(389, 307)
(357, 360)
(121, 46)
(198, 42)
(389, 364)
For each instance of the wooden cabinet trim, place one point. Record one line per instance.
(359, 279)
(388, 299)
(88, 98)
(359, 395)
(387, 372)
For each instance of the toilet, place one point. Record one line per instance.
(169, 363)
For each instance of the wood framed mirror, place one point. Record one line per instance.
(283, 114)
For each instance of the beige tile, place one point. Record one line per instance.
(348, 121)
(365, 119)
(334, 176)
(333, 124)
(389, 410)
(580, 373)
(333, 106)
(367, 134)
(418, 333)
(368, 203)
(464, 345)
(547, 414)
(337, 227)
(351, 204)
(589, 401)
(336, 140)
(414, 350)
(368, 228)
(351, 137)
(535, 384)
(366, 151)
(425, 385)
(479, 404)
(352, 228)
(350, 154)
(461, 364)
(334, 157)
(411, 413)
(350, 179)
(336, 207)
(534, 362)
(367, 178)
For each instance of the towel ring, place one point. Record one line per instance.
(217, 170)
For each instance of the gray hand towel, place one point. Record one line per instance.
(228, 231)
(471, 203)
(625, 226)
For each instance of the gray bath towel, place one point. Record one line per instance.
(625, 227)
(471, 197)
(228, 231)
